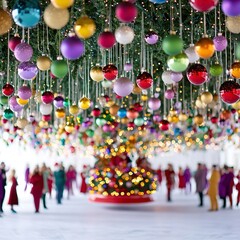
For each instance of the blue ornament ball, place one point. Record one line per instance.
(122, 112)
(26, 13)
(157, 1)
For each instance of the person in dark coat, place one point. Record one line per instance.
(159, 175)
(187, 176)
(37, 189)
(1, 189)
(27, 175)
(170, 181)
(60, 179)
(200, 179)
(3, 185)
(13, 197)
(230, 185)
(222, 187)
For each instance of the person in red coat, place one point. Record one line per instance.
(170, 181)
(159, 175)
(50, 182)
(83, 188)
(238, 188)
(181, 179)
(37, 189)
(13, 197)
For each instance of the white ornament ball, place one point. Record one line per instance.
(124, 35)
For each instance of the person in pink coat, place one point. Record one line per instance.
(83, 188)
(70, 177)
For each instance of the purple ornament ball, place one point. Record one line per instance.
(58, 102)
(154, 103)
(123, 86)
(128, 67)
(23, 52)
(220, 43)
(25, 92)
(231, 8)
(157, 118)
(176, 76)
(13, 104)
(151, 37)
(27, 70)
(72, 48)
(169, 94)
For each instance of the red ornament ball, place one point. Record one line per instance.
(197, 74)
(47, 97)
(138, 107)
(126, 12)
(7, 90)
(131, 125)
(203, 5)
(144, 80)
(228, 92)
(132, 113)
(214, 120)
(106, 39)
(164, 125)
(110, 72)
(96, 112)
(46, 118)
(13, 42)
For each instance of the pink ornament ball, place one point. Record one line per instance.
(220, 43)
(123, 86)
(23, 52)
(176, 76)
(151, 37)
(128, 67)
(126, 12)
(47, 97)
(27, 70)
(13, 42)
(169, 94)
(154, 103)
(106, 40)
(13, 104)
(25, 92)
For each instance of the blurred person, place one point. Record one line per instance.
(200, 179)
(238, 188)
(59, 179)
(213, 188)
(3, 184)
(170, 181)
(181, 179)
(13, 197)
(70, 176)
(27, 175)
(50, 182)
(230, 185)
(37, 187)
(159, 175)
(45, 174)
(187, 176)
(222, 187)
(83, 188)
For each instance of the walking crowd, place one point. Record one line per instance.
(42, 180)
(217, 183)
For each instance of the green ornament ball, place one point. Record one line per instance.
(67, 102)
(100, 122)
(90, 133)
(189, 121)
(4, 100)
(59, 68)
(139, 121)
(216, 70)
(178, 63)
(237, 51)
(8, 114)
(172, 45)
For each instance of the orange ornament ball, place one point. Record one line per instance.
(235, 70)
(205, 48)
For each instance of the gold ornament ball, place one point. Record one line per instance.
(62, 3)
(5, 21)
(60, 113)
(183, 117)
(236, 105)
(69, 128)
(85, 27)
(74, 110)
(22, 102)
(173, 119)
(233, 24)
(43, 124)
(109, 103)
(56, 18)
(198, 119)
(144, 98)
(205, 48)
(172, 112)
(84, 103)
(199, 103)
(124, 120)
(215, 97)
(136, 90)
(22, 122)
(43, 63)
(37, 130)
(96, 74)
(235, 70)
(206, 97)
(114, 109)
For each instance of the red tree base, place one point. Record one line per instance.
(120, 199)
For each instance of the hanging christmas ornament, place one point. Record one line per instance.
(164, 125)
(233, 24)
(25, 92)
(237, 51)
(74, 110)
(13, 42)
(191, 53)
(5, 21)
(60, 113)
(198, 119)
(228, 91)
(235, 70)
(72, 47)
(139, 121)
(158, 1)
(169, 94)
(236, 105)
(136, 90)
(154, 103)
(126, 12)
(96, 112)
(123, 86)
(231, 7)
(178, 63)
(62, 3)
(84, 103)
(56, 18)
(47, 97)
(84, 27)
(58, 102)
(26, 13)
(8, 114)
(132, 114)
(106, 39)
(167, 78)
(220, 42)
(96, 73)
(13, 104)
(22, 102)
(197, 74)
(110, 72)
(7, 90)
(23, 52)
(114, 109)
(46, 118)
(151, 37)
(144, 80)
(4, 100)
(138, 107)
(59, 68)
(27, 70)
(45, 109)
(216, 70)
(128, 67)
(205, 48)
(183, 117)
(176, 76)
(107, 84)
(122, 113)
(206, 97)
(203, 6)
(124, 35)
(172, 44)
(43, 63)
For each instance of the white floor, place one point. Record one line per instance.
(79, 219)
